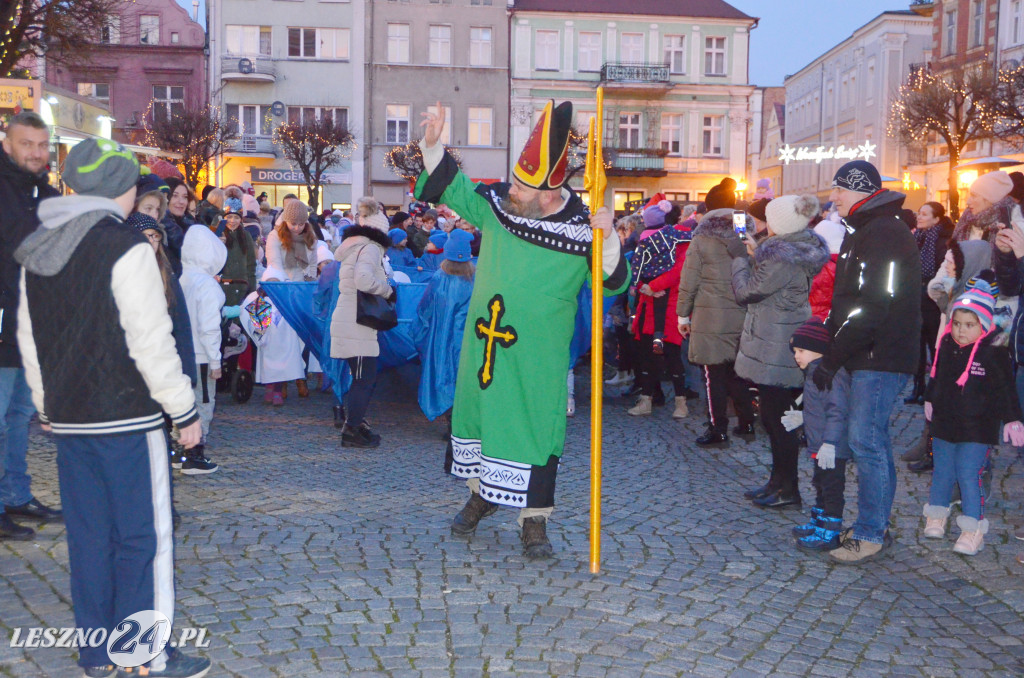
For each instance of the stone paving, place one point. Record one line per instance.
(302, 558)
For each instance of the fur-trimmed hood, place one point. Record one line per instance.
(368, 232)
(718, 224)
(804, 248)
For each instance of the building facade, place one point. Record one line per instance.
(837, 107)
(272, 62)
(149, 60)
(767, 134)
(675, 80)
(421, 52)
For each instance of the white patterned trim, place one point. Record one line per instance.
(465, 457)
(501, 481)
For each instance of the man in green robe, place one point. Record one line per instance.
(508, 421)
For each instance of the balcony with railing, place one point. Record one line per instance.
(242, 68)
(635, 162)
(628, 76)
(257, 144)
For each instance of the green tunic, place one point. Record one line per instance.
(508, 422)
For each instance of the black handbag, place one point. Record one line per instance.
(375, 312)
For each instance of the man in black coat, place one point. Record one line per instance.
(876, 325)
(23, 184)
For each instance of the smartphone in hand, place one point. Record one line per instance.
(739, 223)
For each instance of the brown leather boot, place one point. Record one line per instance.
(284, 390)
(466, 520)
(535, 538)
(302, 388)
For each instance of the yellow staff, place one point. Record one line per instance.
(595, 182)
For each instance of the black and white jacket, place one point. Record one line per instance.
(93, 326)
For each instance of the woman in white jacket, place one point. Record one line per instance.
(202, 257)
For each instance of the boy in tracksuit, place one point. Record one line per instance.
(93, 327)
(824, 420)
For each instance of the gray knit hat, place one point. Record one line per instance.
(100, 167)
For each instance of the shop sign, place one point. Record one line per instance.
(264, 175)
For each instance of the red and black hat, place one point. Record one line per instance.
(544, 161)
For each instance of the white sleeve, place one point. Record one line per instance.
(209, 302)
(27, 345)
(142, 310)
(610, 253)
(275, 257)
(432, 156)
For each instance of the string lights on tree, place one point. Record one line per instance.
(313, 146)
(957, 106)
(62, 30)
(198, 132)
(407, 161)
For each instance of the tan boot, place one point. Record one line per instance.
(644, 405)
(302, 388)
(972, 535)
(935, 521)
(681, 411)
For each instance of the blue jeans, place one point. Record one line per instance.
(963, 464)
(872, 397)
(16, 410)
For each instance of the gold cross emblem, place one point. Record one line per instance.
(490, 328)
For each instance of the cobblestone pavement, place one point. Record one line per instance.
(302, 558)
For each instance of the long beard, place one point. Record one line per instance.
(527, 210)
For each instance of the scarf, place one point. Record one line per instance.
(986, 221)
(927, 240)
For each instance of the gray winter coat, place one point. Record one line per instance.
(705, 292)
(775, 294)
(361, 254)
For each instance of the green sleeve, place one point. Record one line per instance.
(448, 185)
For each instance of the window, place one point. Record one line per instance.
(672, 133)
(622, 198)
(440, 44)
(675, 54)
(100, 91)
(397, 131)
(629, 130)
(168, 102)
(480, 122)
(480, 2)
(978, 26)
(590, 51)
(446, 134)
(1016, 22)
(323, 43)
(631, 47)
(398, 43)
(310, 114)
(149, 29)
(175, 37)
(252, 120)
(712, 135)
(248, 40)
(950, 45)
(844, 93)
(480, 46)
(869, 86)
(110, 33)
(714, 56)
(547, 51)
(829, 101)
(677, 196)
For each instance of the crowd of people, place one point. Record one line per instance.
(811, 319)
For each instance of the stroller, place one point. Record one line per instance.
(237, 365)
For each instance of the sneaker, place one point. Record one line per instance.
(106, 671)
(196, 462)
(682, 410)
(936, 518)
(972, 535)
(178, 665)
(360, 436)
(13, 531)
(643, 407)
(853, 551)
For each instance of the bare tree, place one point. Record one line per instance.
(196, 131)
(1009, 106)
(955, 106)
(313, 146)
(407, 161)
(64, 30)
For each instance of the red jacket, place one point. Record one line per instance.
(668, 281)
(821, 289)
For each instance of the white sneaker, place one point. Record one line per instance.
(644, 406)
(936, 518)
(972, 536)
(570, 408)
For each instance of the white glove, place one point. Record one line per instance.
(793, 419)
(827, 457)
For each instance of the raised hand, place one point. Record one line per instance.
(433, 125)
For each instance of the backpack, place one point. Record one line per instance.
(656, 254)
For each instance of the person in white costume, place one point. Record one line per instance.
(279, 355)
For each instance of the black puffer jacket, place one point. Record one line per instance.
(976, 412)
(876, 302)
(20, 194)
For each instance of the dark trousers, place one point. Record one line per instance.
(721, 382)
(931, 316)
(625, 347)
(775, 400)
(830, 486)
(651, 367)
(116, 498)
(364, 380)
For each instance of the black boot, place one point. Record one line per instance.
(744, 430)
(13, 531)
(339, 416)
(468, 518)
(712, 438)
(926, 463)
(916, 397)
(360, 436)
(535, 538)
(780, 499)
(920, 448)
